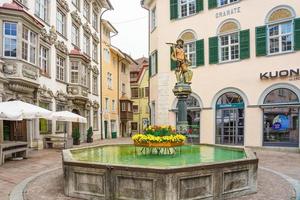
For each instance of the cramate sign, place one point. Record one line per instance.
(293, 74)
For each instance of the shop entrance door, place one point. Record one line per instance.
(15, 130)
(230, 126)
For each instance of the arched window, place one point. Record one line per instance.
(189, 39)
(230, 119)
(229, 41)
(281, 95)
(280, 30)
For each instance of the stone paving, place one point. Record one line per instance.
(49, 186)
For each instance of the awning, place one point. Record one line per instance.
(19, 110)
(66, 116)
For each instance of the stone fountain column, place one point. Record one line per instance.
(182, 92)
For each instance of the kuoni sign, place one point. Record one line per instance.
(292, 73)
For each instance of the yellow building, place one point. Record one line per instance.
(115, 86)
(139, 81)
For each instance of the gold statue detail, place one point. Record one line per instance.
(182, 72)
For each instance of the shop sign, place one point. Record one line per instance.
(231, 105)
(228, 12)
(292, 73)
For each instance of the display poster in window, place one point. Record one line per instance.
(280, 123)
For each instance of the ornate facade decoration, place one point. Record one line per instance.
(45, 93)
(30, 72)
(61, 96)
(60, 45)
(63, 4)
(87, 28)
(229, 26)
(280, 14)
(88, 105)
(95, 37)
(50, 37)
(95, 105)
(9, 68)
(76, 17)
(95, 70)
(20, 88)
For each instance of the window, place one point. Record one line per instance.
(187, 7)
(86, 10)
(95, 51)
(226, 2)
(113, 105)
(134, 92)
(141, 93)
(74, 72)
(123, 88)
(41, 9)
(107, 104)
(95, 121)
(10, 39)
(146, 91)
(88, 118)
(29, 41)
(61, 22)
(75, 35)
(95, 20)
(107, 55)
(75, 3)
(280, 38)
(123, 68)
(44, 60)
(153, 18)
(60, 68)
(229, 47)
(95, 84)
(134, 126)
(45, 125)
(135, 108)
(190, 49)
(109, 80)
(86, 45)
(154, 63)
(129, 107)
(60, 126)
(84, 75)
(123, 107)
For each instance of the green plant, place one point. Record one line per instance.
(76, 134)
(90, 133)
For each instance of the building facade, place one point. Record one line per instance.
(50, 57)
(116, 104)
(139, 81)
(245, 60)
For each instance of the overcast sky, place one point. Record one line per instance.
(131, 21)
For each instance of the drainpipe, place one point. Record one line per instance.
(101, 80)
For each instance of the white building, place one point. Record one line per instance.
(245, 59)
(50, 56)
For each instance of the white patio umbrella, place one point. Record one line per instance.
(19, 110)
(66, 116)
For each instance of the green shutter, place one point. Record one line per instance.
(173, 9)
(245, 44)
(212, 4)
(213, 50)
(199, 5)
(297, 34)
(150, 70)
(200, 53)
(173, 63)
(156, 63)
(261, 41)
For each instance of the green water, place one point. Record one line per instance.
(129, 155)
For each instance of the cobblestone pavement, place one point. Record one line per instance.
(49, 186)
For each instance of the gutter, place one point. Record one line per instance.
(101, 79)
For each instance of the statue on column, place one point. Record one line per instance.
(182, 72)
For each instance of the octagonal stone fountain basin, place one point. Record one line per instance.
(123, 172)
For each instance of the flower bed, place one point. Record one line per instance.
(159, 136)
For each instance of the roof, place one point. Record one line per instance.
(108, 25)
(145, 3)
(17, 7)
(122, 54)
(139, 68)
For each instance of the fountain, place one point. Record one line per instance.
(158, 166)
